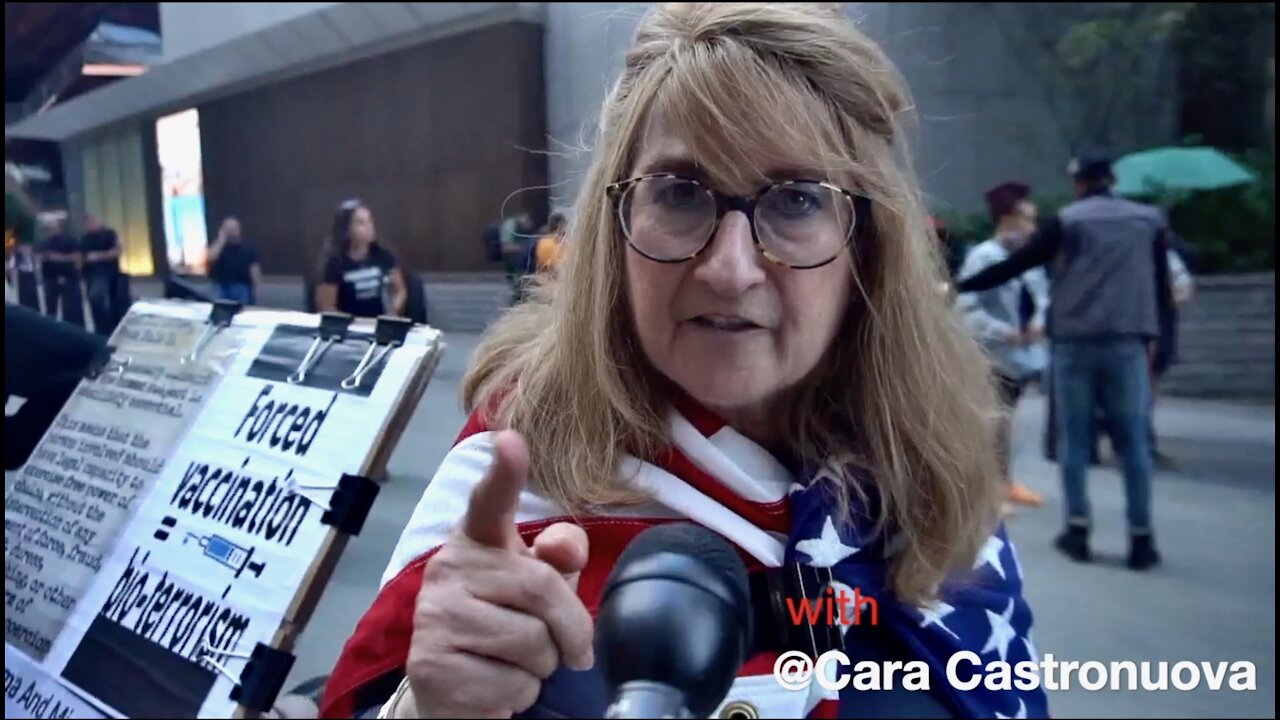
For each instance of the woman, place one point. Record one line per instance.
(739, 313)
(359, 273)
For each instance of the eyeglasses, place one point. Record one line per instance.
(800, 224)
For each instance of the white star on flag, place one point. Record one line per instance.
(990, 555)
(933, 616)
(827, 550)
(1002, 632)
(1031, 648)
(1021, 714)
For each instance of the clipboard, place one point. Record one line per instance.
(326, 396)
(261, 683)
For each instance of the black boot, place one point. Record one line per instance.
(1142, 551)
(1074, 542)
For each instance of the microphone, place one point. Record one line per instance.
(674, 624)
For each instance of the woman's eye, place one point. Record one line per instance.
(791, 201)
(680, 195)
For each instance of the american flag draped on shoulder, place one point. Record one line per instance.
(984, 613)
(722, 480)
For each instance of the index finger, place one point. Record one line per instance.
(491, 511)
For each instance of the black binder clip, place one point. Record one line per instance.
(220, 317)
(350, 504)
(105, 359)
(333, 329)
(776, 592)
(262, 678)
(388, 334)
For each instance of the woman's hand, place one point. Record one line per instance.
(495, 617)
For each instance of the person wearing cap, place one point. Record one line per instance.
(1109, 263)
(994, 316)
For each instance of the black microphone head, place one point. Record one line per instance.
(676, 611)
(684, 538)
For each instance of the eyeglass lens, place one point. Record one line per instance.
(798, 223)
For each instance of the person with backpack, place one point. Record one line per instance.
(516, 242)
(548, 252)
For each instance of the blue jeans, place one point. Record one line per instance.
(235, 292)
(1115, 373)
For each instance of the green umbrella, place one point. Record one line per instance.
(1177, 169)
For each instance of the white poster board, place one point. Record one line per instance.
(70, 501)
(230, 543)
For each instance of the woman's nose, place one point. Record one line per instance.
(731, 265)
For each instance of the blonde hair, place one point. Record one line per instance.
(903, 397)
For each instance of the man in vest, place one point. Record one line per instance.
(1107, 257)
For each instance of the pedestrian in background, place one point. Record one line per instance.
(360, 276)
(995, 317)
(60, 261)
(518, 241)
(20, 239)
(549, 252)
(233, 265)
(1109, 278)
(101, 247)
(1164, 351)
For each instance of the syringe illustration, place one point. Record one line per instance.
(225, 552)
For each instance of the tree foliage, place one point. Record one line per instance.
(1105, 70)
(1125, 76)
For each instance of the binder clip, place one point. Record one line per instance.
(220, 316)
(333, 329)
(350, 504)
(105, 360)
(773, 594)
(388, 334)
(261, 679)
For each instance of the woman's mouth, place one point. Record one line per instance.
(725, 323)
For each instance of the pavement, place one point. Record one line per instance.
(1213, 599)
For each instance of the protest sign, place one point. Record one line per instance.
(69, 502)
(227, 550)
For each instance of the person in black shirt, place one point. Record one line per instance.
(359, 274)
(233, 265)
(60, 266)
(101, 248)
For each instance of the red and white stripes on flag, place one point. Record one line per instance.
(712, 475)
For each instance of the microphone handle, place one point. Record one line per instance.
(647, 699)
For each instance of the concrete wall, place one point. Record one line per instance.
(433, 137)
(188, 28)
(982, 114)
(1227, 340)
(106, 174)
(982, 119)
